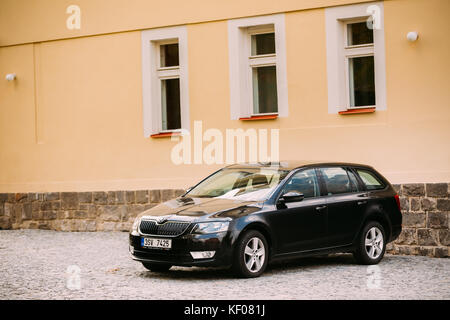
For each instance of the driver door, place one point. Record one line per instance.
(302, 225)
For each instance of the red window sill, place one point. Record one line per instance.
(357, 111)
(261, 117)
(164, 134)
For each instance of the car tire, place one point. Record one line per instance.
(156, 267)
(250, 255)
(371, 244)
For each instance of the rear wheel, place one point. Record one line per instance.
(156, 267)
(371, 244)
(251, 255)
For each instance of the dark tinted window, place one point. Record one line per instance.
(304, 182)
(371, 181)
(353, 181)
(336, 180)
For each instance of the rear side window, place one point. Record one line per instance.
(353, 181)
(336, 180)
(370, 180)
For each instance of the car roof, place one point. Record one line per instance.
(294, 164)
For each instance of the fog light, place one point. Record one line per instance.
(131, 249)
(202, 254)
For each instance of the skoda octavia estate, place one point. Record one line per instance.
(245, 216)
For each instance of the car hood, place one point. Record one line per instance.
(201, 209)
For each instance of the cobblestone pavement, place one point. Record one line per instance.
(34, 264)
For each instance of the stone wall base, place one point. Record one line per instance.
(425, 210)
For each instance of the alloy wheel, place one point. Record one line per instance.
(254, 254)
(374, 242)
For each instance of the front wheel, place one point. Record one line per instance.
(156, 267)
(251, 255)
(371, 244)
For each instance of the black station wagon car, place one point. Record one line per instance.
(246, 215)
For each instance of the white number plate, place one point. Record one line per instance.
(156, 243)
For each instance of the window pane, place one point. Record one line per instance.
(358, 33)
(304, 182)
(265, 98)
(170, 102)
(336, 180)
(370, 180)
(263, 43)
(169, 55)
(362, 81)
(353, 181)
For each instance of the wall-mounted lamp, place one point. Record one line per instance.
(10, 76)
(412, 36)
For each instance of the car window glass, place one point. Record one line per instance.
(353, 181)
(370, 180)
(336, 180)
(304, 182)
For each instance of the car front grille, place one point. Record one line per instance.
(168, 229)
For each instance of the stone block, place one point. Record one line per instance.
(443, 204)
(110, 197)
(130, 197)
(167, 194)
(437, 190)
(407, 237)
(142, 196)
(5, 223)
(99, 197)
(50, 196)
(427, 237)
(49, 215)
(85, 197)
(437, 220)
(414, 190)
(444, 237)
(120, 197)
(91, 210)
(414, 219)
(441, 252)
(429, 204)
(155, 196)
(27, 211)
(112, 213)
(69, 200)
(404, 204)
(414, 204)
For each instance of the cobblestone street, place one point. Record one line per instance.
(38, 264)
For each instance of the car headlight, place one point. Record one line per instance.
(210, 227)
(135, 226)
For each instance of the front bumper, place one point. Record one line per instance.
(179, 254)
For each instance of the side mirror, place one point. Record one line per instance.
(292, 196)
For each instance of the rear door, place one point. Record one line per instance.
(346, 202)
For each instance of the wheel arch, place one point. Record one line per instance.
(379, 217)
(263, 229)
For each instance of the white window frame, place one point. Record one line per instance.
(338, 53)
(241, 63)
(153, 73)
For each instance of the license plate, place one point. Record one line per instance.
(156, 243)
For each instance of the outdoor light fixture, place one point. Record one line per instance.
(10, 76)
(412, 36)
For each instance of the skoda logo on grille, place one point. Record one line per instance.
(161, 220)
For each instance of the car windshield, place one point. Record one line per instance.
(246, 184)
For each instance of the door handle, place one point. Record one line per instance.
(320, 208)
(362, 202)
(363, 195)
